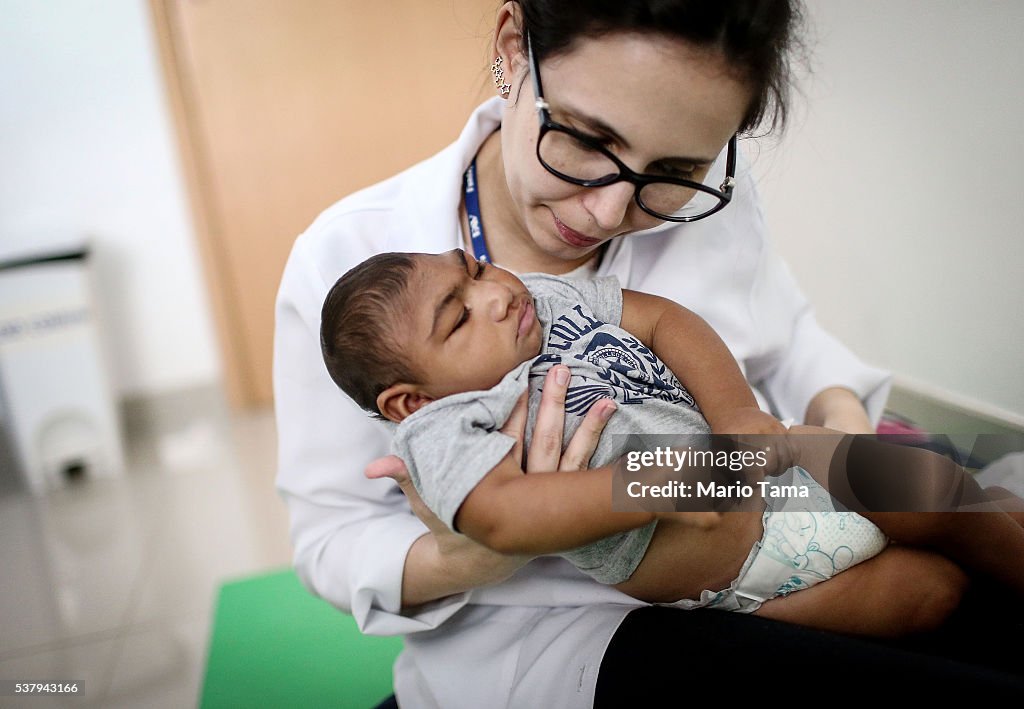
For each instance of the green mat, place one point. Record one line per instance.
(275, 645)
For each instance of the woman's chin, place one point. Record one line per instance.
(557, 248)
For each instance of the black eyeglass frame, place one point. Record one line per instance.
(638, 180)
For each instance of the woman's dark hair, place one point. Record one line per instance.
(756, 37)
(357, 328)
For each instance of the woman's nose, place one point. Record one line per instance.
(608, 205)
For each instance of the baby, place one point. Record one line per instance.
(444, 346)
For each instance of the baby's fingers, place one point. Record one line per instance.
(584, 442)
(700, 520)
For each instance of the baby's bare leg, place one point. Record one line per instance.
(899, 592)
(868, 475)
(1007, 501)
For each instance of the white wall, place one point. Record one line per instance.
(87, 146)
(897, 195)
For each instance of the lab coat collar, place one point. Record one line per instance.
(431, 199)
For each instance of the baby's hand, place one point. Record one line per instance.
(758, 432)
(700, 520)
(748, 420)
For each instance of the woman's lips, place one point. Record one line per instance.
(573, 237)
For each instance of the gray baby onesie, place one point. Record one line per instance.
(452, 443)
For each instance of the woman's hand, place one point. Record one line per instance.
(441, 562)
(839, 409)
(545, 454)
(754, 431)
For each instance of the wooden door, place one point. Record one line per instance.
(284, 106)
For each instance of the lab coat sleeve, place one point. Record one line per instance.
(350, 534)
(799, 358)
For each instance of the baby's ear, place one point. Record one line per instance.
(399, 401)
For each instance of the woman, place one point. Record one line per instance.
(653, 93)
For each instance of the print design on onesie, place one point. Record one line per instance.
(628, 371)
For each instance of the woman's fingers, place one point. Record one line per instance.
(515, 426)
(546, 444)
(390, 466)
(584, 442)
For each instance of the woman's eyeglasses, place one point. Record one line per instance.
(582, 160)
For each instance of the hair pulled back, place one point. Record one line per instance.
(755, 37)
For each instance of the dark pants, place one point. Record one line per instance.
(659, 656)
(668, 657)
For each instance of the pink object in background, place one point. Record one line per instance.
(893, 426)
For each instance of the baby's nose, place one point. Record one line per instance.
(497, 299)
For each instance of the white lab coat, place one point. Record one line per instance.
(537, 639)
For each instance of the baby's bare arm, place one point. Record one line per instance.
(705, 366)
(699, 359)
(515, 513)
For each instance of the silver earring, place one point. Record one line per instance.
(499, 77)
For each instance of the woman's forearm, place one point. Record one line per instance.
(839, 409)
(440, 563)
(425, 576)
(431, 572)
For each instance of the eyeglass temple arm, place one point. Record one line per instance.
(538, 91)
(730, 165)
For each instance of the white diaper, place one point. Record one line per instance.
(805, 541)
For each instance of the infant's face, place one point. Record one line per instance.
(469, 323)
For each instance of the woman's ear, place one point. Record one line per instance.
(399, 401)
(508, 39)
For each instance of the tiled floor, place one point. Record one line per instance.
(112, 581)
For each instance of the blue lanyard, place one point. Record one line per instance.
(476, 224)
